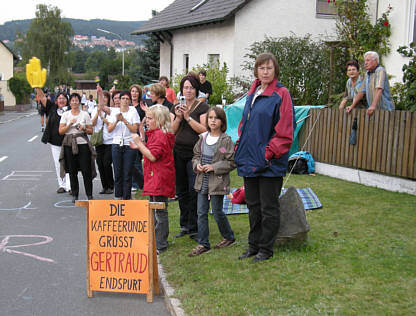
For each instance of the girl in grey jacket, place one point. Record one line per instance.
(212, 162)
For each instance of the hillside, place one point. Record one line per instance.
(9, 29)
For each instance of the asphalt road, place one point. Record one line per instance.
(43, 236)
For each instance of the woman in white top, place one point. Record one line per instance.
(77, 154)
(104, 156)
(122, 124)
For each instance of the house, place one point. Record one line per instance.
(193, 32)
(6, 72)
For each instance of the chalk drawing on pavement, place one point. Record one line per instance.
(11, 249)
(24, 207)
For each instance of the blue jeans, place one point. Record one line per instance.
(123, 159)
(219, 216)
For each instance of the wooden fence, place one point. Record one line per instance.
(386, 141)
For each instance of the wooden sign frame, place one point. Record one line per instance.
(153, 275)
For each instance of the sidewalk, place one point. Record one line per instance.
(10, 116)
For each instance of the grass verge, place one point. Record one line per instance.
(359, 260)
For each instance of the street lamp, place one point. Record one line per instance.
(122, 49)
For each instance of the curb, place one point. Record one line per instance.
(172, 304)
(19, 117)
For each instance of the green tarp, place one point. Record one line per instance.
(235, 111)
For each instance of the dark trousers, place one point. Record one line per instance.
(161, 220)
(262, 197)
(137, 171)
(81, 161)
(123, 159)
(104, 162)
(187, 196)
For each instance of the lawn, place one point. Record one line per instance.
(359, 260)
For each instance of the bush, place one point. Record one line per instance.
(304, 66)
(356, 31)
(404, 95)
(216, 76)
(19, 86)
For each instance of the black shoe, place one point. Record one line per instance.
(103, 191)
(247, 254)
(109, 191)
(74, 198)
(261, 257)
(61, 190)
(159, 251)
(194, 236)
(89, 197)
(181, 233)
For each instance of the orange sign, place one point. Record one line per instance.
(119, 254)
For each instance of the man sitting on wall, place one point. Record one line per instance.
(376, 86)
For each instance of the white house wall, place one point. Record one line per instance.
(198, 42)
(277, 19)
(401, 20)
(6, 69)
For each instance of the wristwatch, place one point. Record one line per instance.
(189, 119)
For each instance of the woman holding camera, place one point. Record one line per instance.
(189, 122)
(77, 153)
(123, 124)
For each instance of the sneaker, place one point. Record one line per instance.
(224, 243)
(133, 189)
(61, 190)
(199, 250)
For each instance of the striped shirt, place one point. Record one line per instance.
(374, 79)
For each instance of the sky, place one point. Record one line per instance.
(120, 10)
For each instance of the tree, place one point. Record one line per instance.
(148, 61)
(48, 38)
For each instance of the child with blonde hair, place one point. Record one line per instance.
(159, 167)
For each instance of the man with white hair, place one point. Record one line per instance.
(376, 86)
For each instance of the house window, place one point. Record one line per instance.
(325, 8)
(214, 59)
(186, 63)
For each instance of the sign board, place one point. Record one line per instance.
(121, 250)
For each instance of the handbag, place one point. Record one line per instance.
(97, 137)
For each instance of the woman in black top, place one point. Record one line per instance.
(189, 122)
(51, 135)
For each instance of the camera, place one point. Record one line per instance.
(182, 100)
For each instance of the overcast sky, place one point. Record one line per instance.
(119, 10)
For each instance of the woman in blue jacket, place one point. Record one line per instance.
(262, 152)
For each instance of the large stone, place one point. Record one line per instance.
(293, 224)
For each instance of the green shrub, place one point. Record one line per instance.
(355, 30)
(304, 66)
(404, 94)
(20, 88)
(216, 76)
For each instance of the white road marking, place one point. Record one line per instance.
(30, 175)
(32, 139)
(3, 158)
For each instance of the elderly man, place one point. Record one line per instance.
(376, 86)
